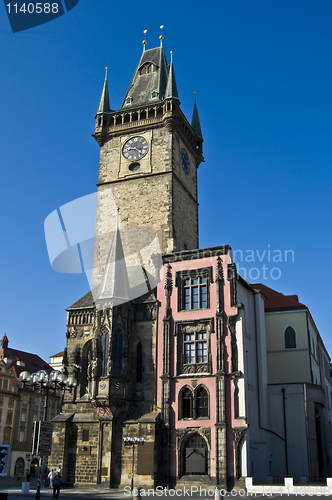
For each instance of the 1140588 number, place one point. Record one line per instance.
(38, 8)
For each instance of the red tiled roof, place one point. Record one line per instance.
(277, 300)
(33, 363)
(59, 355)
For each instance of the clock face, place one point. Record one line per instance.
(135, 148)
(185, 161)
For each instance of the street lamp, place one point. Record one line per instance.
(28, 459)
(42, 380)
(131, 441)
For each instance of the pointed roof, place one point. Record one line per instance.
(104, 104)
(84, 302)
(195, 123)
(142, 85)
(171, 89)
(115, 283)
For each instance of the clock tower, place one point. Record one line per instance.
(149, 155)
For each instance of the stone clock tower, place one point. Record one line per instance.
(147, 191)
(149, 155)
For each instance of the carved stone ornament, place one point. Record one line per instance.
(220, 270)
(99, 403)
(182, 434)
(168, 280)
(238, 433)
(206, 432)
(192, 326)
(196, 368)
(234, 348)
(232, 277)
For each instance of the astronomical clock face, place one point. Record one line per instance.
(185, 161)
(135, 148)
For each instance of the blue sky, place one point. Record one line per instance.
(263, 76)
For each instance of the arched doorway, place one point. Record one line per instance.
(19, 467)
(196, 455)
(34, 467)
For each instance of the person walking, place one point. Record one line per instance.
(51, 477)
(57, 482)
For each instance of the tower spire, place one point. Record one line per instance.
(171, 88)
(161, 37)
(115, 283)
(104, 104)
(195, 123)
(144, 41)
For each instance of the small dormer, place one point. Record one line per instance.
(148, 67)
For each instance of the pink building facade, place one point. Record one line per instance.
(199, 356)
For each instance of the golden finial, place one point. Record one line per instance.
(161, 37)
(106, 69)
(144, 41)
(171, 56)
(195, 97)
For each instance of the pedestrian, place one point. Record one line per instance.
(45, 477)
(18, 476)
(60, 470)
(57, 482)
(51, 477)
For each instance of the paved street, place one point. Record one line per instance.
(13, 488)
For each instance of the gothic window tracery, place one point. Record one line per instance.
(202, 403)
(193, 405)
(187, 403)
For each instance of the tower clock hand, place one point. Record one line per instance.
(139, 150)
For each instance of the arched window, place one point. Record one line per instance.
(187, 404)
(290, 338)
(139, 363)
(19, 467)
(202, 403)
